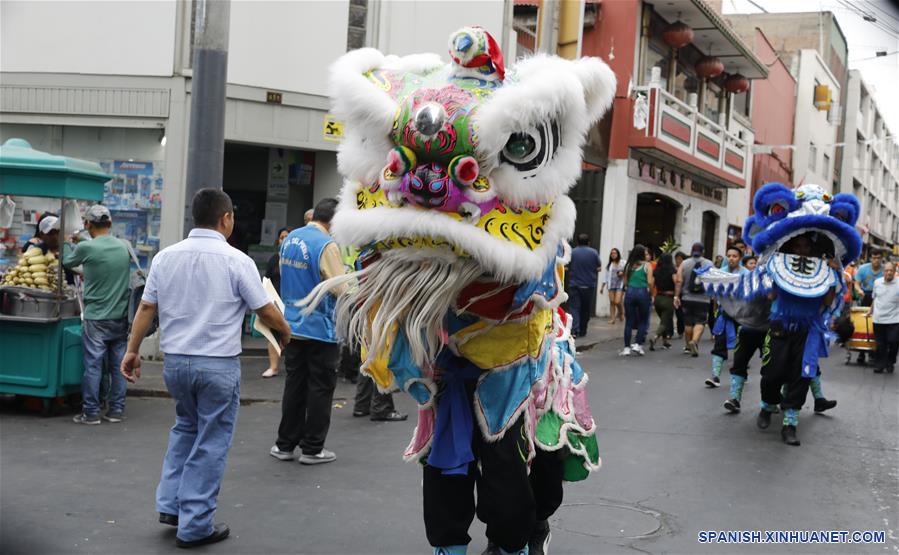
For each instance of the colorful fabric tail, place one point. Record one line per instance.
(815, 348)
(736, 387)
(815, 386)
(451, 447)
(725, 325)
(717, 363)
(791, 417)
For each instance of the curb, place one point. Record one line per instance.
(160, 394)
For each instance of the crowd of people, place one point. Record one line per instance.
(670, 285)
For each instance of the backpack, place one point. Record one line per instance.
(693, 284)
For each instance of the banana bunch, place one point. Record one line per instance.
(35, 269)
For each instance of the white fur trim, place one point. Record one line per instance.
(507, 261)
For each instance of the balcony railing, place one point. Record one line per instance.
(682, 126)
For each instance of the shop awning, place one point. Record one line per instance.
(713, 36)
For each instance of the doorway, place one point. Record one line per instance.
(656, 221)
(709, 233)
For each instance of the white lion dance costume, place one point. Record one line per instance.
(455, 187)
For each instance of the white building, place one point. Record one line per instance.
(870, 168)
(814, 130)
(111, 82)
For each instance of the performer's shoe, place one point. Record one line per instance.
(714, 381)
(788, 434)
(392, 416)
(732, 406)
(493, 549)
(823, 404)
(763, 420)
(539, 542)
(879, 370)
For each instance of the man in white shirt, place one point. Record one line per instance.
(201, 288)
(885, 312)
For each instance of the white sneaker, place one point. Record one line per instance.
(625, 352)
(281, 455)
(637, 349)
(323, 456)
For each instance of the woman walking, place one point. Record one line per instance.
(273, 272)
(614, 281)
(663, 276)
(638, 283)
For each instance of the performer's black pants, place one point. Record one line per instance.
(509, 500)
(748, 342)
(782, 365)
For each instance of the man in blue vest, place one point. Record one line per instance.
(309, 256)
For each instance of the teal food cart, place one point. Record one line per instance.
(40, 332)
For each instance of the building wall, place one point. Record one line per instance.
(129, 38)
(414, 27)
(286, 45)
(814, 135)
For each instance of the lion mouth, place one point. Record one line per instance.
(813, 244)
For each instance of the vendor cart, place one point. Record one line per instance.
(40, 331)
(862, 339)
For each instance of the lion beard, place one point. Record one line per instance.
(402, 290)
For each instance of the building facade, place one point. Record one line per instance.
(870, 168)
(84, 80)
(815, 127)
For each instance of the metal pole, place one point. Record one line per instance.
(548, 29)
(206, 143)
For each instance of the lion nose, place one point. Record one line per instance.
(429, 119)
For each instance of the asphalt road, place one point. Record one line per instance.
(674, 464)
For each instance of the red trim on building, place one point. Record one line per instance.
(708, 146)
(642, 142)
(733, 159)
(676, 129)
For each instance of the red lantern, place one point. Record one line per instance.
(708, 67)
(677, 34)
(736, 83)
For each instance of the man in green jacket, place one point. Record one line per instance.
(107, 271)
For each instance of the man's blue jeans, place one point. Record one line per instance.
(206, 391)
(104, 341)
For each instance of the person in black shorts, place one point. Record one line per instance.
(690, 295)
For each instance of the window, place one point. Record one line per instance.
(710, 100)
(812, 158)
(814, 90)
(741, 102)
(826, 169)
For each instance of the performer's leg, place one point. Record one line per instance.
(546, 475)
(775, 357)
(505, 499)
(797, 388)
(448, 507)
(822, 403)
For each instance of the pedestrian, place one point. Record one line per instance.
(638, 285)
(865, 276)
(582, 278)
(689, 293)
(679, 258)
(750, 261)
(614, 282)
(863, 282)
(307, 216)
(201, 287)
(663, 276)
(309, 256)
(719, 262)
(273, 273)
(46, 234)
(725, 328)
(106, 266)
(885, 313)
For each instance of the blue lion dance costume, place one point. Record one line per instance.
(803, 237)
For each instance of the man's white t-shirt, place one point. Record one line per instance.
(886, 301)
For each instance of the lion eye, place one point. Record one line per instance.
(519, 147)
(776, 209)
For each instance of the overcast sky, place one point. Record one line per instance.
(864, 38)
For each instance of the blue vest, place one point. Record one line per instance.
(300, 273)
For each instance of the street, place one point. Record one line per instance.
(674, 464)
